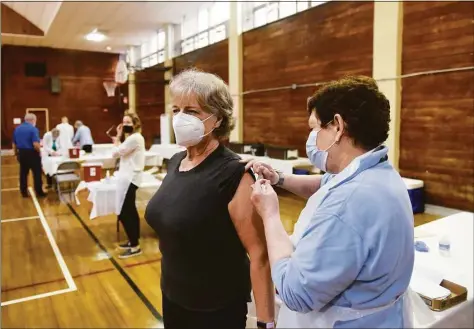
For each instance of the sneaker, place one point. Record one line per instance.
(125, 246)
(130, 253)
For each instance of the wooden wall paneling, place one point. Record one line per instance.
(437, 35)
(213, 59)
(437, 118)
(317, 45)
(14, 23)
(82, 95)
(150, 98)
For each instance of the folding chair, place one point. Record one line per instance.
(67, 175)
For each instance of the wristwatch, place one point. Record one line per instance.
(281, 178)
(265, 325)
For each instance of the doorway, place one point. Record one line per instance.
(42, 120)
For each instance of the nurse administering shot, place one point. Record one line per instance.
(350, 258)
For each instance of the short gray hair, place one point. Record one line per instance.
(78, 123)
(30, 117)
(55, 131)
(212, 95)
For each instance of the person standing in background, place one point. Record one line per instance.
(83, 136)
(52, 147)
(66, 134)
(26, 145)
(130, 147)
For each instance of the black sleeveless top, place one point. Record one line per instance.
(204, 265)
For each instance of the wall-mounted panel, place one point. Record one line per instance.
(437, 118)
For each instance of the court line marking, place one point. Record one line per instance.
(10, 189)
(54, 246)
(57, 253)
(18, 219)
(47, 294)
(117, 266)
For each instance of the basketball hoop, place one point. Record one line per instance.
(110, 88)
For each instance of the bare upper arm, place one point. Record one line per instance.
(247, 222)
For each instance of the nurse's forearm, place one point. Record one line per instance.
(279, 245)
(302, 185)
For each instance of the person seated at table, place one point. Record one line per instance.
(51, 147)
(131, 150)
(210, 237)
(83, 137)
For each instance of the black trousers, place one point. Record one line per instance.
(233, 316)
(129, 216)
(30, 160)
(87, 148)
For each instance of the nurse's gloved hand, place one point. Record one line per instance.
(265, 199)
(262, 170)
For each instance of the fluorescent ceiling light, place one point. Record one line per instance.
(108, 48)
(95, 36)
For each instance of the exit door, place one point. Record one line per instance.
(42, 120)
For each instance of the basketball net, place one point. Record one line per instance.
(110, 88)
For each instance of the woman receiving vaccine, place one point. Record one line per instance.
(130, 147)
(350, 258)
(210, 237)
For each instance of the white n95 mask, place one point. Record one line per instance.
(316, 156)
(188, 129)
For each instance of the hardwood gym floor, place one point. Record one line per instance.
(60, 269)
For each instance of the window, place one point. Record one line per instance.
(259, 4)
(161, 56)
(219, 13)
(217, 33)
(317, 3)
(302, 5)
(145, 63)
(189, 28)
(287, 8)
(203, 40)
(143, 50)
(260, 17)
(153, 44)
(161, 40)
(203, 20)
(153, 59)
(272, 13)
(187, 46)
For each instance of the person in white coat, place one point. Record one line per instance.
(51, 147)
(66, 134)
(131, 150)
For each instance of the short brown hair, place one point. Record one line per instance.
(212, 95)
(137, 123)
(363, 107)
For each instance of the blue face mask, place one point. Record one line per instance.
(317, 157)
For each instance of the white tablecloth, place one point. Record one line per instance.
(50, 164)
(166, 150)
(457, 267)
(102, 194)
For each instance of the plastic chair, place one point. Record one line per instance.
(67, 175)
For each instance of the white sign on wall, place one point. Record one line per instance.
(17, 121)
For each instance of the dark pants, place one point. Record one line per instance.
(49, 180)
(30, 160)
(233, 316)
(129, 216)
(87, 148)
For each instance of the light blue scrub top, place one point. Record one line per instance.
(358, 249)
(83, 136)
